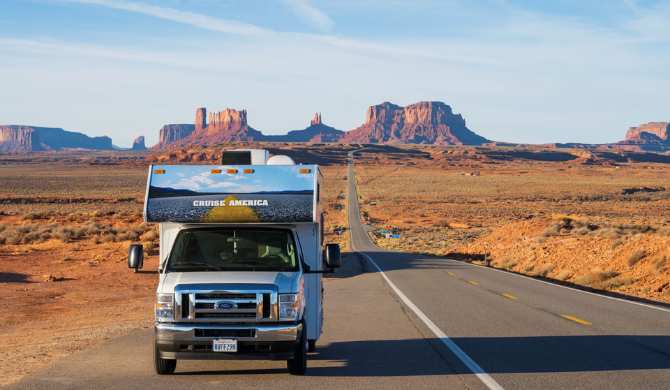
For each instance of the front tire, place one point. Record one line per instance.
(163, 366)
(298, 365)
(311, 346)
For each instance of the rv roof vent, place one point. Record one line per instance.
(280, 160)
(245, 157)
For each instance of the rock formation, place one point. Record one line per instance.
(420, 123)
(656, 132)
(138, 144)
(173, 133)
(200, 118)
(29, 138)
(317, 119)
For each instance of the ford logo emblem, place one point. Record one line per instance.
(225, 306)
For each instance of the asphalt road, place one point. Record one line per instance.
(425, 323)
(524, 333)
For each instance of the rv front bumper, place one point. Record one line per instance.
(268, 342)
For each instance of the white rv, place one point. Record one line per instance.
(241, 260)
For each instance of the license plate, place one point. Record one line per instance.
(225, 345)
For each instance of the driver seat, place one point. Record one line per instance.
(274, 248)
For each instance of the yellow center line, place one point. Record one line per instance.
(451, 273)
(509, 296)
(571, 318)
(475, 283)
(434, 266)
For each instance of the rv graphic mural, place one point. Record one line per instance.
(222, 194)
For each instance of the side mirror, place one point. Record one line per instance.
(135, 257)
(331, 255)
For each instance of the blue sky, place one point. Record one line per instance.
(264, 178)
(518, 71)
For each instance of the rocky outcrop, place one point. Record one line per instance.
(138, 144)
(200, 118)
(173, 133)
(656, 132)
(30, 138)
(420, 123)
(425, 122)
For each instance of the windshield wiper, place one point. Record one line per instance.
(199, 263)
(257, 262)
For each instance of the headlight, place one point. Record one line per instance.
(291, 306)
(164, 307)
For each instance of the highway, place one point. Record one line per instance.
(396, 321)
(522, 333)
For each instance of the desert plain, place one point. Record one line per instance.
(595, 220)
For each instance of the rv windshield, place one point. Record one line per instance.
(226, 249)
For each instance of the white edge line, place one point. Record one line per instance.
(521, 276)
(474, 367)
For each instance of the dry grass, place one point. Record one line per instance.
(544, 270)
(636, 256)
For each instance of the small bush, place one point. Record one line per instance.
(614, 283)
(664, 231)
(616, 244)
(659, 262)
(108, 238)
(545, 270)
(581, 231)
(594, 277)
(147, 246)
(553, 230)
(564, 275)
(636, 256)
(609, 233)
(32, 216)
(148, 236)
(646, 289)
(441, 223)
(508, 264)
(528, 267)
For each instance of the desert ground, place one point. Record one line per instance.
(592, 219)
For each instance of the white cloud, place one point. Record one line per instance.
(187, 17)
(309, 14)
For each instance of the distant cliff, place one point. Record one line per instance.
(29, 138)
(421, 123)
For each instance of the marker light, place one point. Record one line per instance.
(305, 170)
(231, 171)
(216, 171)
(159, 171)
(248, 171)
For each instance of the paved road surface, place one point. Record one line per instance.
(528, 334)
(440, 321)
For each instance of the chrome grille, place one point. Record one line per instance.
(197, 303)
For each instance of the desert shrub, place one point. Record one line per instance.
(147, 246)
(664, 231)
(545, 270)
(608, 232)
(552, 230)
(63, 233)
(581, 230)
(528, 267)
(616, 244)
(563, 275)
(659, 262)
(441, 223)
(614, 283)
(32, 216)
(636, 256)
(108, 238)
(148, 236)
(2, 228)
(595, 277)
(95, 239)
(508, 264)
(646, 290)
(92, 229)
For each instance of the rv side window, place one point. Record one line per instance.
(225, 249)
